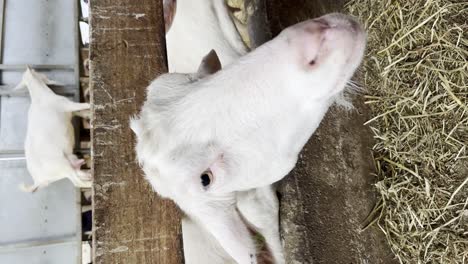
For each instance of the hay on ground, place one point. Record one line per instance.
(415, 73)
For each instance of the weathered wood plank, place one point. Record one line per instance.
(127, 50)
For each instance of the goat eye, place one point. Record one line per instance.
(206, 178)
(312, 63)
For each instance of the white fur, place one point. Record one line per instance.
(258, 207)
(201, 248)
(198, 27)
(50, 135)
(246, 123)
(206, 25)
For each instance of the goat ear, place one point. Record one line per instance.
(31, 73)
(169, 9)
(221, 219)
(22, 85)
(46, 79)
(209, 65)
(135, 126)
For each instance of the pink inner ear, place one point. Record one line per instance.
(76, 164)
(217, 167)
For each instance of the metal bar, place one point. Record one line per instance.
(2, 15)
(12, 151)
(12, 154)
(12, 158)
(39, 243)
(76, 67)
(77, 15)
(22, 67)
(20, 152)
(7, 90)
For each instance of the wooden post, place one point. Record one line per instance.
(127, 50)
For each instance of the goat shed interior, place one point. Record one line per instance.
(321, 217)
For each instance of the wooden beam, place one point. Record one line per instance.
(127, 50)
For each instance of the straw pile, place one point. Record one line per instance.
(415, 75)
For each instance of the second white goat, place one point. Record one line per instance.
(50, 135)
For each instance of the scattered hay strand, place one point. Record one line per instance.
(415, 73)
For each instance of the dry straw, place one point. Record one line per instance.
(415, 73)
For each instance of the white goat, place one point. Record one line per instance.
(207, 25)
(50, 135)
(203, 141)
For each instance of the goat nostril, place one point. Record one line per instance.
(206, 178)
(323, 23)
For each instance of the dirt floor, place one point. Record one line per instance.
(325, 200)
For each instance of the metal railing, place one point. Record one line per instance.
(69, 90)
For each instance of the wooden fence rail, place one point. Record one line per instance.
(132, 224)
